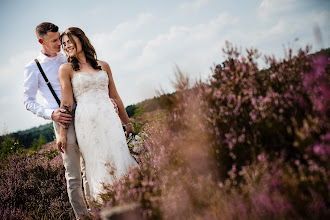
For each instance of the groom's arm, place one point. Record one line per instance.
(30, 85)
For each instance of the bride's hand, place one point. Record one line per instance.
(61, 144)
(129, 129)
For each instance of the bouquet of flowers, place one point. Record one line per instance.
(135, 144)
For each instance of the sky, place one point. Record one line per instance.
(143, 41)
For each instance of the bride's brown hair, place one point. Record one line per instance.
(86, 45)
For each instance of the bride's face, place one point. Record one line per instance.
(69, 47)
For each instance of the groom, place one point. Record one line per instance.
(51, 59)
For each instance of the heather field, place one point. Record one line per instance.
(248, 143)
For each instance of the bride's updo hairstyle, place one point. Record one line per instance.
(86, 45)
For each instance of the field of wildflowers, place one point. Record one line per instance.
(33, 187)
(249, 143)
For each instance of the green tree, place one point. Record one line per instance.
(138, 110)
(37, 143)
(8, 146)
(130, 110)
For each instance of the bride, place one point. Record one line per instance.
(98, 128)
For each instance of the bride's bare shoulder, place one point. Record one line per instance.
(65, 69)
(104, 65)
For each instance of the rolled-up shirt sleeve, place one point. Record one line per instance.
(30, 87)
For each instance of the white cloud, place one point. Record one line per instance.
(193, 5)
(286, 28)
(123, 40)
(11, 69)
(321, 18)
(270, 9)
(144, 62)
(95, 11)
(12, 77)
(181, 41)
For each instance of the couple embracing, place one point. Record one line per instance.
(87, 126)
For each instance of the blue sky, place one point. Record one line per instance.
(144, 40)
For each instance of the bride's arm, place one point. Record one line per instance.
(115, 96)
(66, 102)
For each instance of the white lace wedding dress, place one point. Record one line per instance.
(99, 131)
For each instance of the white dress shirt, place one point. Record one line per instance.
(34, 83)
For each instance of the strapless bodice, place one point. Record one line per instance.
(90, 89)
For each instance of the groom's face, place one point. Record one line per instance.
(52, 42)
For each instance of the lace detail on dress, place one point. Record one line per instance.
(99, 131)
(83, 82)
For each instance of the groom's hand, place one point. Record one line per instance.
(61, 117)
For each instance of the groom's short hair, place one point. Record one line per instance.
(45, 27)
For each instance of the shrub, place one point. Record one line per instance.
(10, 146)
(248, 144)
(254, 111)
(34, 187)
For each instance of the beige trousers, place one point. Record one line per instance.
(74, 165)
